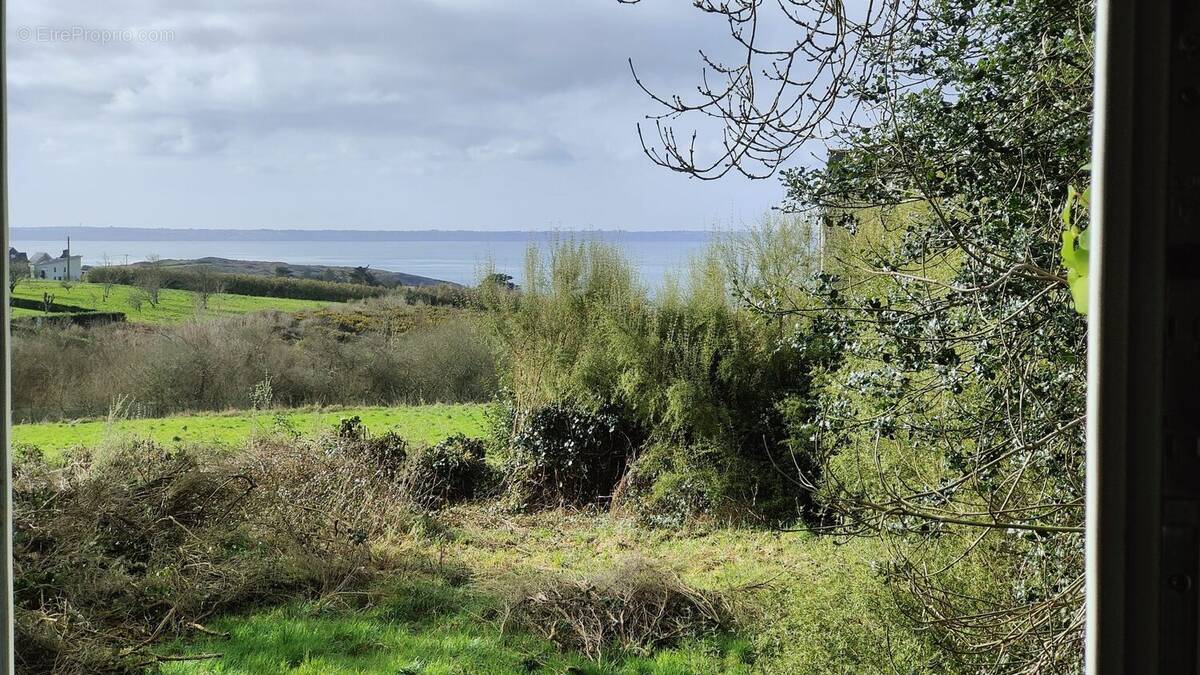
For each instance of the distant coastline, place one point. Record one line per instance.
(169, 234)
(456, 256)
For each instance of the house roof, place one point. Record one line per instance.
(45, 259)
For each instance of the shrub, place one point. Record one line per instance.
(565, 455)
(450, 472)
(703, 377)
(671, 484)
(386, 453)
(633, 607)
(71, 373)
(137, 543)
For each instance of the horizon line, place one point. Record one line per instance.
(327, 229)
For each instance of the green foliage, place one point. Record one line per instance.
(681, 374)
(565, 455)
(452, 471)
(954, 423)
(388, 452)
(1075, 244)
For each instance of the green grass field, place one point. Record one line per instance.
(174, 305)
(447, 638)
(421, 424)
(810, 605)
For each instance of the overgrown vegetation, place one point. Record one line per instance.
(669, 405)
(135, 543)
(132, 555)
(634, 607)
(215, 365)
(906, 381)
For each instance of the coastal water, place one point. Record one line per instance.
(450, 258)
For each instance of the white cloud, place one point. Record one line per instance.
(296, 90)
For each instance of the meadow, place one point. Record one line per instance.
(420, 424)
(174, 306)
(808, 605)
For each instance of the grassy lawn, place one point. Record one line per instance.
(174, 305)
(447, 638)
(815, 605)
(423, 424)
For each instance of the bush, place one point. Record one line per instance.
(703, 377)
(71, 373)
(635, 607)
(136, 543)
(564, 455)
(450, 472)
(387, 453)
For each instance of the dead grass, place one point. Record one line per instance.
(119, 549)
(634, 607)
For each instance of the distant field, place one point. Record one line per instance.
(174, 306)
(422, 424)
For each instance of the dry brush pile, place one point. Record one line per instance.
(134, 544)
(635, 607)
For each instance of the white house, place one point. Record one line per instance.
(42, 266)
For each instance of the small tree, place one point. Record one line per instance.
(499, 280)
(149, 280)
(107, 283)
(208, 284)
(362, 275)
(18, 271)
(47, 302)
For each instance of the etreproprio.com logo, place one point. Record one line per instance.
(92, 34)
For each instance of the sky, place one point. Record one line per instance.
(412, 114)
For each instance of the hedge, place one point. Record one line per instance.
(239, 284)
(71, 318)
(38, 305)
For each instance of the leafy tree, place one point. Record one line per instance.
(953, 426)
(363, 275)
(498, 280)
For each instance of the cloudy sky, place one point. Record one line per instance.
(412, 114)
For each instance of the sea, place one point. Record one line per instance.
(455, 256)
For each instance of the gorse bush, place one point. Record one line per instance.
(387, 452)
(684, 373)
